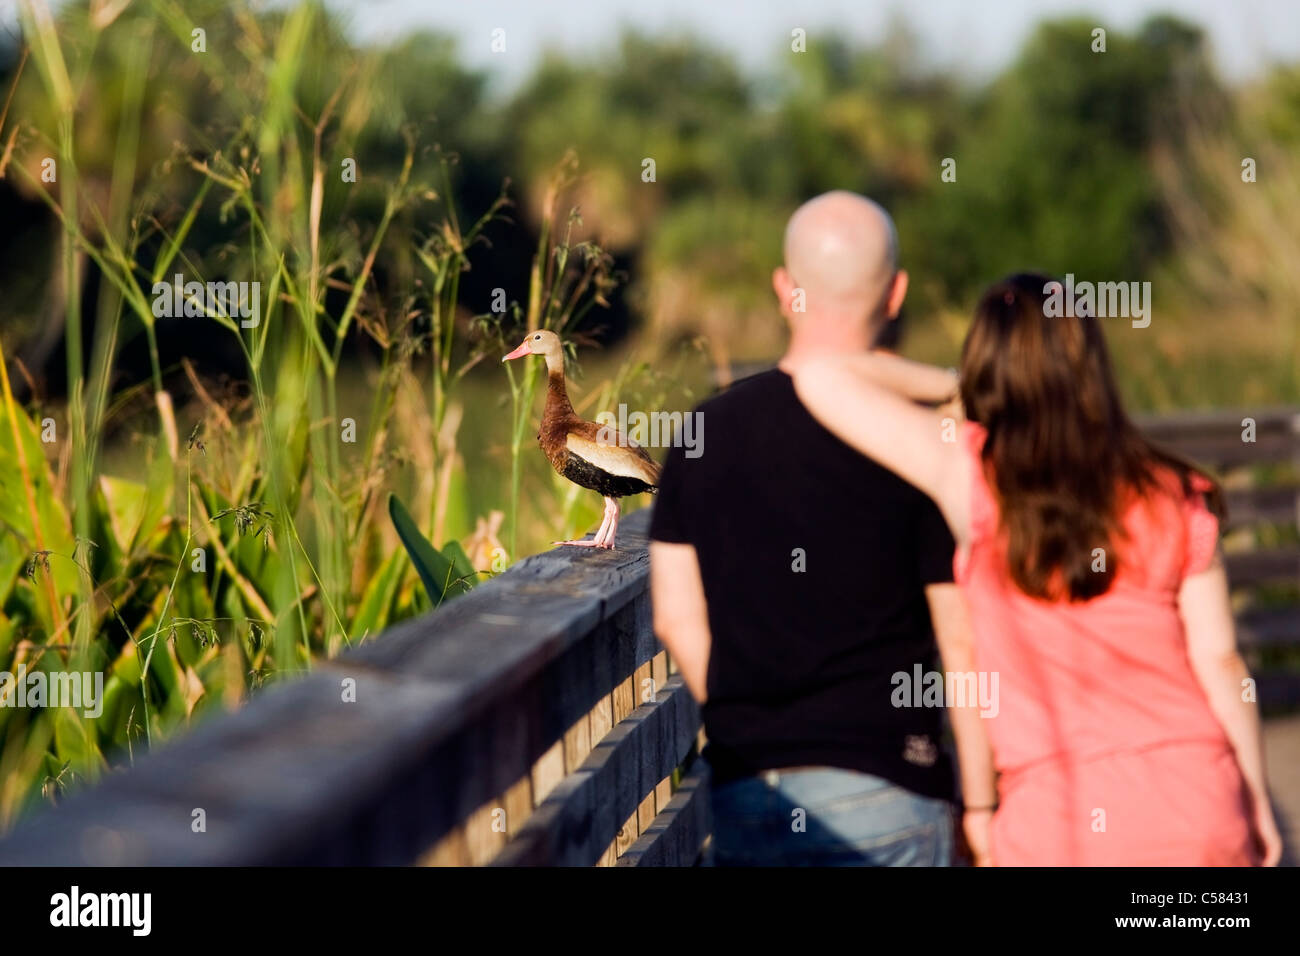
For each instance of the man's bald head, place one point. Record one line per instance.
(842, 250)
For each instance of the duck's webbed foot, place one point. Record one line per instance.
(605, 536)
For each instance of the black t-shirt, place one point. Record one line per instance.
(814, 561)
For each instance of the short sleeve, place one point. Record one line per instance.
(667, 523)
(934, 545)
(983, 507)
(1201, 529)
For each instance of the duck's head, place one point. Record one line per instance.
(542, 342)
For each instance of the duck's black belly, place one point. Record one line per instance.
(582, 472)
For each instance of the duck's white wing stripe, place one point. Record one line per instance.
(618, 460)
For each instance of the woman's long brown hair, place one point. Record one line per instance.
(1061, 455)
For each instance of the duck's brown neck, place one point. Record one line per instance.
(558, 405)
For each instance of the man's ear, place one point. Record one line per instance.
(897, 293)
(783, 286)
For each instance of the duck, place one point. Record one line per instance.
(594, 456)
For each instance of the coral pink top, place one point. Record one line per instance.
(1106, 745)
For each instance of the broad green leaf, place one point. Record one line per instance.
(377, 602)
(466, 578)
(18, 538)
(124, 502)
(158, 498)
(74, 741)
(436, 570)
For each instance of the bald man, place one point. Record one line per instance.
(792, 581)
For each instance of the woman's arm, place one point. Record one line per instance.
(1204, 606)
(979, 794)
(861, 400)
(928, 384)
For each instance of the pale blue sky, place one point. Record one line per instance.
(972, 37)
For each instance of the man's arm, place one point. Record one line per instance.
(952, 632)
(681, 618)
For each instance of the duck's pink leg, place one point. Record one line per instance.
(605, 537)
(599, 539)
(613, 526)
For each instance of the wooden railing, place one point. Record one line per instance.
(1259, 464)
(531, 721)
(536, 720)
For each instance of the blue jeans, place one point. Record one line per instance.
(825, 816)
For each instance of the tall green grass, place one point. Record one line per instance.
(247, 537)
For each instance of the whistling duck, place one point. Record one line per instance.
(599, 457)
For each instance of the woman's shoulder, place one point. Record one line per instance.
(972, 436)
(1172, 526)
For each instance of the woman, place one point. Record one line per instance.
(1089, 561)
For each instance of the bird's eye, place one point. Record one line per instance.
(537, 337)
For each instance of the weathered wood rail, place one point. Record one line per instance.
(532, 721)
(1259, 464)
(536, 721)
